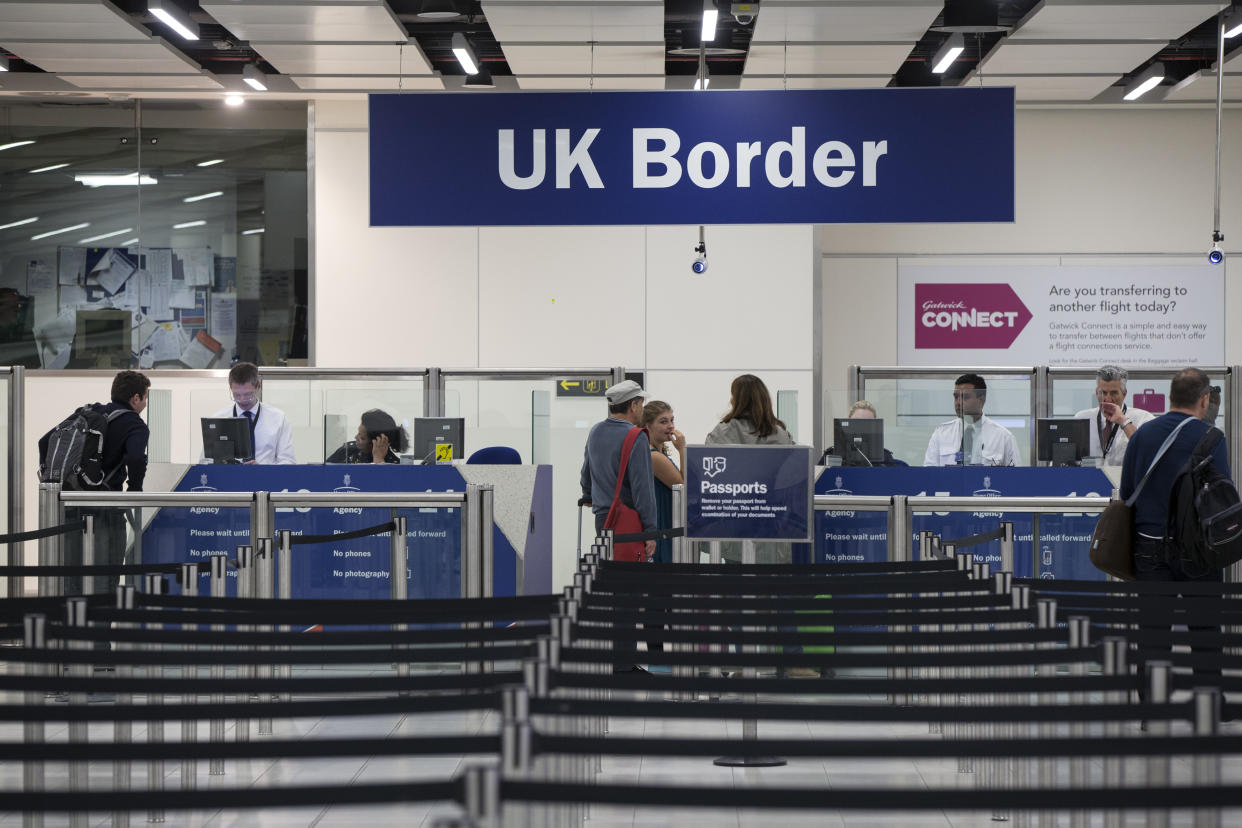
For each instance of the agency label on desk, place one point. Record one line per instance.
(756, 156)
(749, 492)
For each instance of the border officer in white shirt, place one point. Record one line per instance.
(981, 442)
(271, 435)
(1112, 423)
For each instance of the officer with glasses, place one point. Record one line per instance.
(271, 435)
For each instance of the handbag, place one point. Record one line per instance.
(622, 519)
(1112, 543)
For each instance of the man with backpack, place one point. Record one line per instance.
(105, 464)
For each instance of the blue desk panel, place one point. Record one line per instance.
(1064, 539)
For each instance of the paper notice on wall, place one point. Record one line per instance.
(199, 264)
(72, 297)
(165, 342)
(1069, 314)
(159, 307)
(55, 339)
(112, 270)
(40, 278)
(223, 319)
(159, 266)
(181, 297)
(201, 351)
(71, 264)
(146, 360)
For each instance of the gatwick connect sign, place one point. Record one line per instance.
(890, 155)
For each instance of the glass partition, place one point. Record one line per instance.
(1073, 390)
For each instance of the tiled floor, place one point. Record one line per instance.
(646, 770)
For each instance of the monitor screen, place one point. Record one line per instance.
(859, 442)
(227, 439)
(438, 439)
(1062, 441)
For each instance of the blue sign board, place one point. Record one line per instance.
(748, 492)
(802, 157)
(848, 535)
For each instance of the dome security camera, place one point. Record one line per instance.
(1216, 255)
(699, 265)
(744, 13)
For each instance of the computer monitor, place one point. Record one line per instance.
(859, 442)
(1062, 441)
(227, 439)
(438, 439)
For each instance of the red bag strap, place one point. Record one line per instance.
(627, 448)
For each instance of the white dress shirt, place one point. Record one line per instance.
(992, 444)
(1117, 450)
(273, 436)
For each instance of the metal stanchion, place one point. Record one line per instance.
(79, 772)
(1001, 768)
(1079, 771)
(1045, 619)
(1115, 664)
(88, 553)
(34, 730)
(1019, 773)
(123, 731)
(264, 587)
(472, 536)
(189, 726)
(245, 589)
(482, 796)
(899, 550)
(1006, 563)
(49, 508)
(154, 585)
(1206, 765)
(1159, 689)
(399, 584)
(215, 729)
(487, 555)
(284, 590)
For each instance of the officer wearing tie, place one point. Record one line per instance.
(270, 433)
(1113, 423)
(971, 439)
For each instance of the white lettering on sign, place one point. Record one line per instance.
(973, 318)
(657, 161)
(733, 488)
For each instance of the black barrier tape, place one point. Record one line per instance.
(1052, 587)
(379, 655)
(976, 540)
(807, 618)
(498, 606)
(610, 567)
(100, 569)
(201, 686)
(51, 531)
(646, 536)
(378, 529)
(1088, 655)
(819, 602)
(327, 638)
(412, 614)
(886, 638)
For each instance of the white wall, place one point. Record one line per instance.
(556, 297)
(1119, 182)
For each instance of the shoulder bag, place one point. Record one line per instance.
(622, 519)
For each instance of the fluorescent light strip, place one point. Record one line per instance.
(1143, 88)
(102, 236)
(254, 84)
(127, 180)
(234, 100)
(1235, 31)
(15, 144)
(949, 56)
(709, 22)
(4, 63)
(202, 197)
(210, 163)
(61, 230)
(702, 83)
(464, 54)
(254, 77)
(172, 17)
(253, 232)
(18, 223)
(185, 224)
(128, 243)
(49, 169)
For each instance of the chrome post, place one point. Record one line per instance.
(215, 728)
(1079, 638)
(79, 772)
(1046, 619)
(487, 530)
(262, 517)
(264, 587)
(399, 583)
(680, 545)
(1206, 773)
(34, 730)
(1000, 768)
(899, 549)
(284, 590)
(16, 482)
(123, 731)
(1020, 768)
(49, 497)
(1160, 688)
(154, 585)
(189, 726)
(1007, 547)
(1115, 664)
(471, 565)
(88, 554)
(245, 589)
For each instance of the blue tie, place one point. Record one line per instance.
(250, 420)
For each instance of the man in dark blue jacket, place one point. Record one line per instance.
(124, 458)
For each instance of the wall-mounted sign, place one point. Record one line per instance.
(749, 492)
(814, 156)
(581, 387)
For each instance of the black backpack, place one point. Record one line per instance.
(75, 451)
(1205, 513)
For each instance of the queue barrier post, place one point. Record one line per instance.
(88, 553)
(487, 540)
(189, 726)
(1007, 539)
(1079, 638)
(123, 731)
(399, 582)
(1159, 690)
(245, 589)
(899, 549)
(215, 728)
(79, 777)
(34, 628)
(264, 587)
(1115, 664)
(1207, 767)
(154, 585)
(1045, 619)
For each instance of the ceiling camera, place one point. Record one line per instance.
(744, 13)
(1216, 255)
(699, 265)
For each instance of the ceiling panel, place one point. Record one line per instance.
(1203, 88)
(204, 80)
(151, 56)
(345, 58)
(367, 83)
(635, 59)
(1048, 87)
(835, 20)
(584, 83)
(327, 20)
(66, 20)
(815, 82)
(639, 20)
(1114, 20)
(1068, 58)
(826, 58)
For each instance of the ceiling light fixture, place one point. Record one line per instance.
(971, 17)
(174, 17)
(234, 100)
(186, 224)
(438, 10)
(61, 230)
(949, 52)
(126, 180)
(709, 21)
(129, 242)
(210, 163)
(1237, 28)
(253, 232)
(13, 144)
(103, 236)
(18, 223)
(1147, 80)
(480, 80)
(465, 55)
(49, 169)
(4, 63)
(203, 197)
(254, 77)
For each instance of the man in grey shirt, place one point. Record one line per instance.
(603, 461)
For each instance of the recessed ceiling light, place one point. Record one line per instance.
(128, 243)
(1145, 82)
(465, 55)
(103, 236)
(203, 197)
(254, 77)
(186, 224)
(438, 10)
(173, 16)
(49, 169)
(61, 230)
(211, 163)
(13, 144)
(4, 63)
(18, 223)
(234, 100)
(252, 232)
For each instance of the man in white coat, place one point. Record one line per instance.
(971, 439)
(1112, 423)
(271, 436)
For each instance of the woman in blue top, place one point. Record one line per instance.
(658, 420)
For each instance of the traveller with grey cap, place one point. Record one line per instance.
(1112, 423)
(603, 460)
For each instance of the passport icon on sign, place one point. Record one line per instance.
(713, 466)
